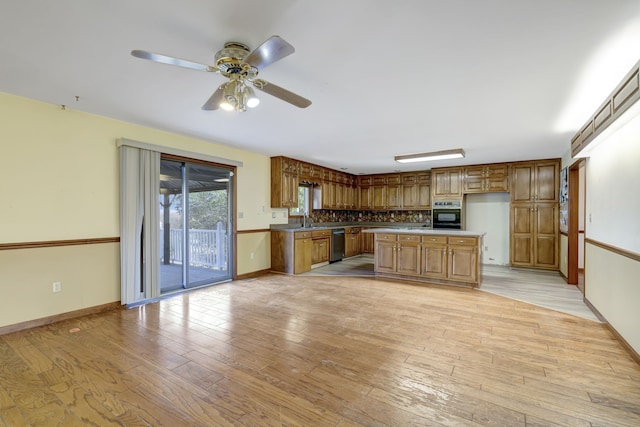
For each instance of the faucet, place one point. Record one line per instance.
(305, 220)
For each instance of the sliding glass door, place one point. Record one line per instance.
(195, 226)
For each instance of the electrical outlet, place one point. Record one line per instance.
(57, 286)
(273, 214)
(251, 255)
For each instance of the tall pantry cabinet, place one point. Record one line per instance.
(534, 213)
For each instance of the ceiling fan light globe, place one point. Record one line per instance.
(226, 106)
(252, 100)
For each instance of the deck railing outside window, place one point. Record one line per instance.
(207, 248)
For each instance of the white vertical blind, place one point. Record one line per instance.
(139, 253)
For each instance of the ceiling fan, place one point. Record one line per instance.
(241, 67)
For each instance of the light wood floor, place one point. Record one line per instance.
(320, 351)
(544, 288)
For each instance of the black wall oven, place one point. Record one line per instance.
(447, 215)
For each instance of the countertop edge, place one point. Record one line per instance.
(467, 233)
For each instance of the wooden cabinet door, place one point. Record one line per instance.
(351, 244)
(522, 229)
(455, 182)
(394, 196)
(546, 236)
(497, 184)
(367, 241)
(320, 251)
(462, 263)
(303, 249)
(366, 198)
(434, 261)
(547, 183)
(447, 183)
(289, 190)
(440, 181)
(339, 195)
(408, 258)
(379, 197)
(522, 179)
(385, 259)
(409, 196)
(424, 196)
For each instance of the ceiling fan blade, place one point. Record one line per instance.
(164, 59)
(214, 101)
(272, 50)
(281, 93)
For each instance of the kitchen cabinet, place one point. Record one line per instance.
(486, 178)
(434, 257)
(351, 196)
(387, 191)
(446, 183)
(462, 259)
(451, 258)
(534, 235)
(429, 257)
(352, 241)
(284, 182)
(416, 190)
(291, 251)
(536, 181)
(367, 242)
(385, 253)
(399, 254)
(408, 255)
(366, 198)
(534, 214)
(310, 172)
(321, 246)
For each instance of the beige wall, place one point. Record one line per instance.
(60, 182)
(612, 286)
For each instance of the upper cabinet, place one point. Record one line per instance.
(387, 193)
(536, 181)
(416, 190)
(284, 182)
(446, 183)
(486, 178)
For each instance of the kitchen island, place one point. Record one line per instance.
(450, 257)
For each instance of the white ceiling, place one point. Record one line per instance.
(503, 79)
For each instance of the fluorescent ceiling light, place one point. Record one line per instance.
(458, 153)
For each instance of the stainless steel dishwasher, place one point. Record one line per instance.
(337, 244)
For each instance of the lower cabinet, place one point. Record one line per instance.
(429, 258)
(321, 246)
(367, 243)
(291, 251)
(352, 241)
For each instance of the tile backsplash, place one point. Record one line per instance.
(327, 215)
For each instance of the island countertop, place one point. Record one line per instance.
(426, 232)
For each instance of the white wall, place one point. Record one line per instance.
(490, 213)
(612, 281)
(612, 189)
